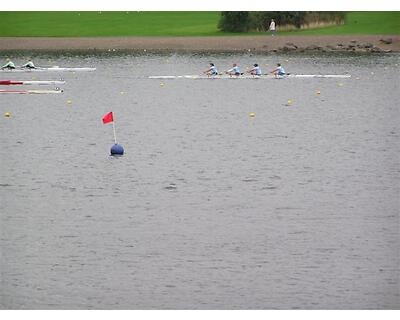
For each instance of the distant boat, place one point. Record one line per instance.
(30, 91)
(48, 69)
(23, 82)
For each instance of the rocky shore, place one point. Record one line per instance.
(260, 44)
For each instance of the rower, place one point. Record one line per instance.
(278, 71)
(212, 70)
(255, 71)
(235, 71)
(9, 65)
(29, 65)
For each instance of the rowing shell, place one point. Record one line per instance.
(23, 82)
(48, 69)
(31, 91)
(195, 77)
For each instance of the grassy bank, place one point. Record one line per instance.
(92, 24)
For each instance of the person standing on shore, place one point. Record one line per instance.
(8, 65)
(272, 27)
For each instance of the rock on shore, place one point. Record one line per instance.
(262, 43)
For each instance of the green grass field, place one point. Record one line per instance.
(74, 24)
(79, 24)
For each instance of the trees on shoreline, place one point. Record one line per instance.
(243, 21)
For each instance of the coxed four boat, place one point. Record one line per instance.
(289, 76)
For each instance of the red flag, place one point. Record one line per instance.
(108, 118)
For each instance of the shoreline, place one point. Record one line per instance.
(259, 43)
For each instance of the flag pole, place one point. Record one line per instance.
(115, 136)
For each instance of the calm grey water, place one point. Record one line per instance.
(297, 207)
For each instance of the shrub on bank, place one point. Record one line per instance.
(234, 21)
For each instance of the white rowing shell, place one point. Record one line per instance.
(254, 77)
(23, 82)
(48, 69)
(30, 91)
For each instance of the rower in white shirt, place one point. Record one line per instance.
(235, 71)
(212, 70)
(9, 65)
(279, 71)
(255, 71)
(29, 65)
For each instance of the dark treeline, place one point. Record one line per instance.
(243, 21)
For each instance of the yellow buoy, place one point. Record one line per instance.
(69, 101)
(340, 84)
(317, 92)
(289, 102)
(252, 114)
(162, 84)
(7, 114)
(122, 92)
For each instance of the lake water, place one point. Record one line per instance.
(295, 208)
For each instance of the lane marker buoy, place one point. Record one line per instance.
(117, 150)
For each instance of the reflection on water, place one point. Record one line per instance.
(296, 207)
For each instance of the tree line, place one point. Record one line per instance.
(244, 21)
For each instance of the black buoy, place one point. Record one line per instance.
(117, 150)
